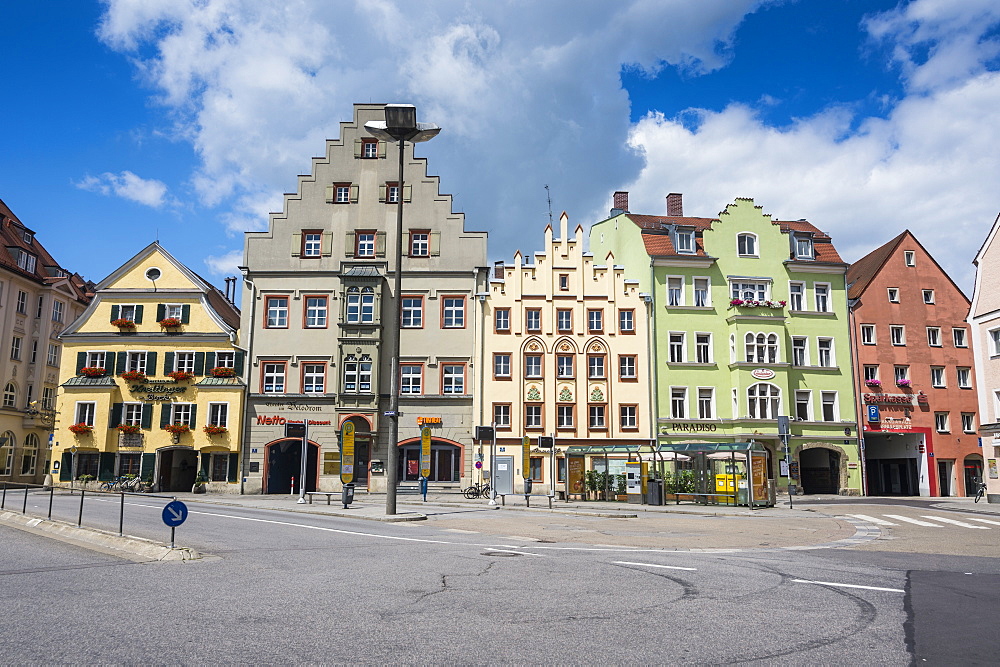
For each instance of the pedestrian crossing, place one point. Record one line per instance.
(927, 521)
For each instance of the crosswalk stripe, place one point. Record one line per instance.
(955, 523)
(865, 517)
(914, 521)
(995, 523)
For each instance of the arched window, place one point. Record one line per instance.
(6, 452)
(762, 348)
(9, 395)
(746, 244)
(353, 305)
(360, 305)
(29, 455)
(763, 401)
(367, 305)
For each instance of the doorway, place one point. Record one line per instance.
(284, 461)
(820, 470)
(946, 471)
(362, 450)
(973, 475)
(445, 462)
(176, 469)
(504, 479)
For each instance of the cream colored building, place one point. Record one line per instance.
(984, 325)
(566, 354)
(155, 389)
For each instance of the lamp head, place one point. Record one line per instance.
(401, 124)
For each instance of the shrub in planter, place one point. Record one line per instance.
(129, 429)
(222, 372)
(212, 429)
(177, 429)
(85, 478)
(80, 429)
(133, 376)
(123, 323)
(180, 375)
(93, 371)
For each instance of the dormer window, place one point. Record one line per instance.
(746, 245)
(685, 242)
(26, 260)
(27, 237)
(803, 247)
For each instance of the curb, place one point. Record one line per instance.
(340, 514)
(133, 548)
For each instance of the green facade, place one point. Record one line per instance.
(725, 372)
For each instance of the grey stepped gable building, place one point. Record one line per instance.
(320, 314)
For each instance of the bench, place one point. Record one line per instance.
(328, 495)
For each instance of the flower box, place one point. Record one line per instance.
(129, 429)
(180, 375)
(170, 322)
(212, 429)
(123, 323)
(902, 383)
(80, 429)
(93, 371)
(751, 303)
(873, 383)
(177, 429)
(222, 372)
(133, 376)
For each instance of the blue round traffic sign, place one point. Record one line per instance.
(175, 513)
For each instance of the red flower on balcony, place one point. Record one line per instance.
(170, 322)
(129, 429)
(180, 375)
(81, 428)
(133, 376)
(177, 429)
(212, 429)
(123, 323)
(222, 372)
(93, 371)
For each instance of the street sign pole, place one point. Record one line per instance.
(493, 463)
(784, 433)
(305, 461)
(552, 468)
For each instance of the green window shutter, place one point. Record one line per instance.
(381, 148)
(147, 415)
(116, 415)
(194, 416)
(81, 361)
(66, 467)
(357, 147)
(168, 362)
(138, 314)
(147, 465)
(327, 248)
(106, 466)
(349, 245)
(380, 244)
(199, 363)
(151, 363)
(109, 360)
(161, 311)
(407, 189)
(435, 243)
(209, 361)
(186, 313)
(297, 244)
(164, 414)
(354, 194)
(329, 194)
(121, 363)
(238, 362)
(114, 313)
(234, 461)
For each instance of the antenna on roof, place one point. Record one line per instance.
(548, 195)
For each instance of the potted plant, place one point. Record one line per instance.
(123, 323)
(129, 429)
(200, 481)
(170, 323)
(212, 429)
(177, 429)
(180, 376)
(85, 479)
(81, 429)
(621, 487)
(874, 383)
(93, 371)
(222, 372)
(590, 482)
(133, 376)
(903, 383)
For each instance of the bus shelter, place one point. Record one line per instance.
(599, 458)
(712, 473)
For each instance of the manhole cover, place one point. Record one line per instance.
(504, 554)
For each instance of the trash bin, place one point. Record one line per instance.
(527, 487)
(654, 492)
(347, 495)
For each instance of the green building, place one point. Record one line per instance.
(750, 322)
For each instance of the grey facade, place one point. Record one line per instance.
(319, 319)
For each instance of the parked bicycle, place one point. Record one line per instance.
(481, 490)
(980, 491)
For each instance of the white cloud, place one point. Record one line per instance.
(149, 192)
(225, 265)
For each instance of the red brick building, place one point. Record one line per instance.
(914, 367)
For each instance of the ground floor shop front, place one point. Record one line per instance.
(170, 468)
(919, 462)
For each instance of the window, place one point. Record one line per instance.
(501, 365)
(420, 244)
(364, 244)
(803, 248)
(454, 312)
(85, 411)
(342, 193)
(595, 320)
(763, 400)
(132, 414)
(826, 356)
(897, 334)
(277, 312)
(937, 376)
(360, 305)
(934, 336)
(136, 361)
(564, 319)
(627, 417)
(10, 395)
(501, 319)
(675, 347)
(411, 376)
(800, 349)
(392, 193)
(15, 348)
(38, 310)
(702, 293)
(26, 261)
(48, 397)
(685, 242)
(6, 452)
(706, 402)
(453, 379)
(413, 312)
(796, 293)
(218, 414)
(22, 302)
(995, 342)
(822, 294)
(501, 415)
(893, 293)
(129, 312)
(174, 310)
(626, 367)
(928, 295)
(58, 307)
(564, 365)
(678, 402)
(312, 244)
(182, 413)
(749, 291)
(595, 366)
(597, 417)
(870, 372)
(184, 361)
(369, 148)
(358, 374)
(316, 311)
(703, 348)
(626, 321)
(535, 468)
(867, 334)
(564, 416)
(532, 365)
(563, 282)
(96, 359)
(313, 378)
(29, 455)
(829, 399)
(532, 416)
(941, 422)
(968, 422)
(675, 291)
(762, 348)
(746, 245)
(533, 319)
(909, 258)
(34, 351)
(803, 405)
(901, 374)
(225, 359)
(958, 336)
(274, 378)
(964, 373)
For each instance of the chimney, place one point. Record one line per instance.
(675, 205)
(620, 203)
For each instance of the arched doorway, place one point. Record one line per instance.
(446, 461)
(176, 468)
(973, 474)
(820, 470)
(283, 461)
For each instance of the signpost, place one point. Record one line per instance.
(784, 432)
(425, 452)
(174, 514)
(347, 453)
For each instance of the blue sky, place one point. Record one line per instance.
(184, 120)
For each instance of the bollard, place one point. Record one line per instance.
(292, 492)
(423, 487)
(24, 508)
(51, 492)
(121, 517)
(79, 518)
(3, 503)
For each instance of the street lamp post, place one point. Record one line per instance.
(400, 125)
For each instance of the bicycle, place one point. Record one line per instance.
(481, 490)
(111, 485)
(980, 490)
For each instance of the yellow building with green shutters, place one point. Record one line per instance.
(152, 385)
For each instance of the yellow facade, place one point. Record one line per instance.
(172, 377)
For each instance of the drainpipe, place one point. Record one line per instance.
(247, 365)
(654, 364)
(859, 413)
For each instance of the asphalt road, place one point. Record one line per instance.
(295, 588)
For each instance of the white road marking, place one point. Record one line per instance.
(831, 583)
(512, 551)
(994, 523)
(955, 523)
(913, 521)
(865, 517)
(665, 567)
